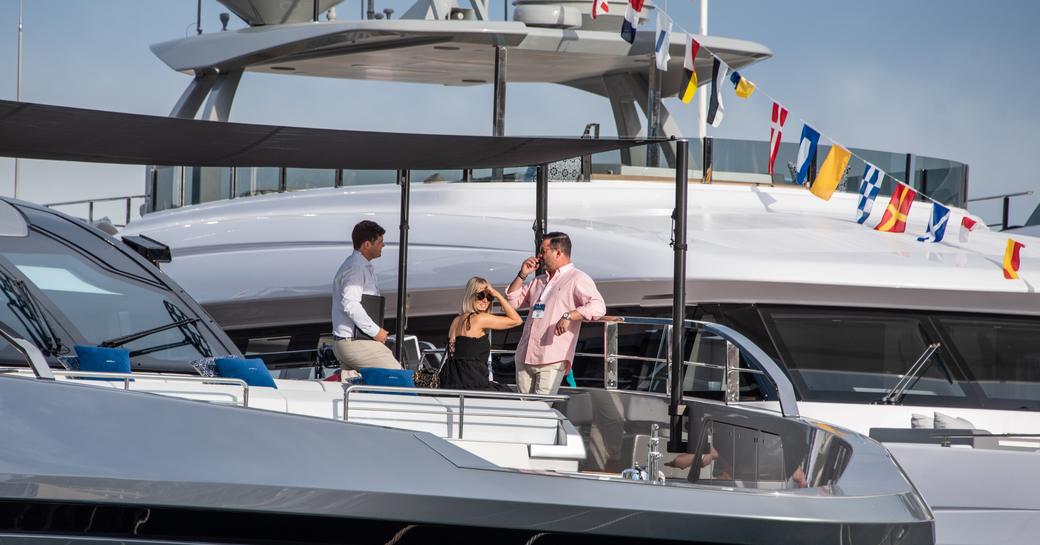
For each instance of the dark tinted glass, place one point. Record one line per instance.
(1002, 355)
(839, 356)
(100, 294)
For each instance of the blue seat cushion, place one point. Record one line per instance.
(102, 360)
(373, 376)
(252, 371)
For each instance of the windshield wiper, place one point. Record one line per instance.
(28, 307)
(895, 395)
(119, 341)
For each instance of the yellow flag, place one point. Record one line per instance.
(832, 171)
(744, 88)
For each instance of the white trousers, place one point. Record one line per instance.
(539, 379)
(355, 354)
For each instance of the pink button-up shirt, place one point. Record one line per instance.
(569, 289)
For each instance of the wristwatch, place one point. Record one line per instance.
(566, 315)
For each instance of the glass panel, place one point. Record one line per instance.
(251, 181)
(206, 184)
(941, 179)
(84, 276)
(369, 177)
(80, 289)
(9, 356)
(511, 174)
(309, 178)
(436, 176)
(1002, 355)
(19, 317)
(848, 357)
(167, 187)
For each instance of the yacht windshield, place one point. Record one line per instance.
(859, 356)
(102, 294)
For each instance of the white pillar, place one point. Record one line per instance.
(18, 87)
(702, 100)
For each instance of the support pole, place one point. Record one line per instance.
(403, 179)
(1005, 215)
(316, 11)
(18, 89)
(541, 205)
(707, 167)
(498, 117)
(498, 113)
(702, 101)
(675, 358)
(653, 116)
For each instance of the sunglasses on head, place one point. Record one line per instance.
(483, 295)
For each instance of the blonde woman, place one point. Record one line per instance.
(468, 343)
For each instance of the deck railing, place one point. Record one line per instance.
(461, 395)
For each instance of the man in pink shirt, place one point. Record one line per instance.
(558, 300)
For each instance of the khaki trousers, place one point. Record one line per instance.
(355, 354)
(539, 379)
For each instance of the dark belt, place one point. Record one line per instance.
(338, 338)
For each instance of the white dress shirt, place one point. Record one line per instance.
(355, 277)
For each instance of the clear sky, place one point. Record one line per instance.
(955, 79)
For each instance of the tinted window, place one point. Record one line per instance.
(836, 355)
(20, 318)
(101, 294)
(1001, 354)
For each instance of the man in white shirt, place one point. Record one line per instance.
(357, 277)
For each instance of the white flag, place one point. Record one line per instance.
(663, 42)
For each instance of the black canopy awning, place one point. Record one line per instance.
(39, 131)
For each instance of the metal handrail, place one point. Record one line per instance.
(32, 354)
(460, 394)
(90, 205)
(1005, 213)
(754, 355)
(129, 377)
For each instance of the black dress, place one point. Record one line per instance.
(467, 368)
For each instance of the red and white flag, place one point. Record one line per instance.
(967, 226)
(598, 7)
(775, 131)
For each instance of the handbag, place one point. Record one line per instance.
(426, 376)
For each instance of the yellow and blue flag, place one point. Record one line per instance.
(742, 85)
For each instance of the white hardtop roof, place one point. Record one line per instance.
(746, 243)
(443, 52)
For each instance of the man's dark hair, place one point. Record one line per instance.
(365, 231)
(559, 241)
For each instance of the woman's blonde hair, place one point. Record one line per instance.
(473, 286)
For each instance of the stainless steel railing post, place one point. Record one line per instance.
(610, 356)
(731, 377)
(462, 412)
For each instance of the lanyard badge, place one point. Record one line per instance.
(538, 310)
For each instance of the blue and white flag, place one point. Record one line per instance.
(936, 224)
(631, 21)
(868, 190)
(664, 38)
(806, 152)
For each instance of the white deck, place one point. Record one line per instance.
(522, 434)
